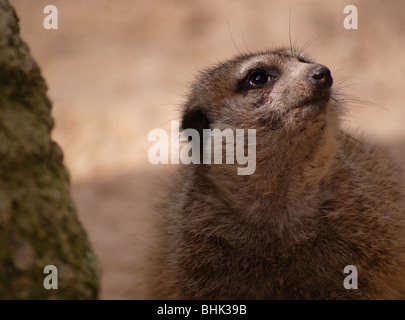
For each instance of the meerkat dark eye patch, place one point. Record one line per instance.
(195, 119)
(257, 79)
(303, 60)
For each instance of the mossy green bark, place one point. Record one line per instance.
(38, 222)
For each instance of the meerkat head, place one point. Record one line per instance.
(284, 97)
(274, 92)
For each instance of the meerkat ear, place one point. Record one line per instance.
(197, 119)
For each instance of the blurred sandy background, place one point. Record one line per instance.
(117, 69)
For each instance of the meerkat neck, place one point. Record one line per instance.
(286, 183)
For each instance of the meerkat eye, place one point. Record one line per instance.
(258, 78)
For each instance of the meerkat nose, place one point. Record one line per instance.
(320, 76)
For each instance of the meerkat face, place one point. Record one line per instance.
(274, 90)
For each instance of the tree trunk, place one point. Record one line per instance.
(38, 222)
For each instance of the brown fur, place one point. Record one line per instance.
(318, 200)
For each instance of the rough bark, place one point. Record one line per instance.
(38, 222)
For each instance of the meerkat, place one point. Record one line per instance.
(317, 202)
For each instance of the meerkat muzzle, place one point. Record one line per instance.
(321, 77)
